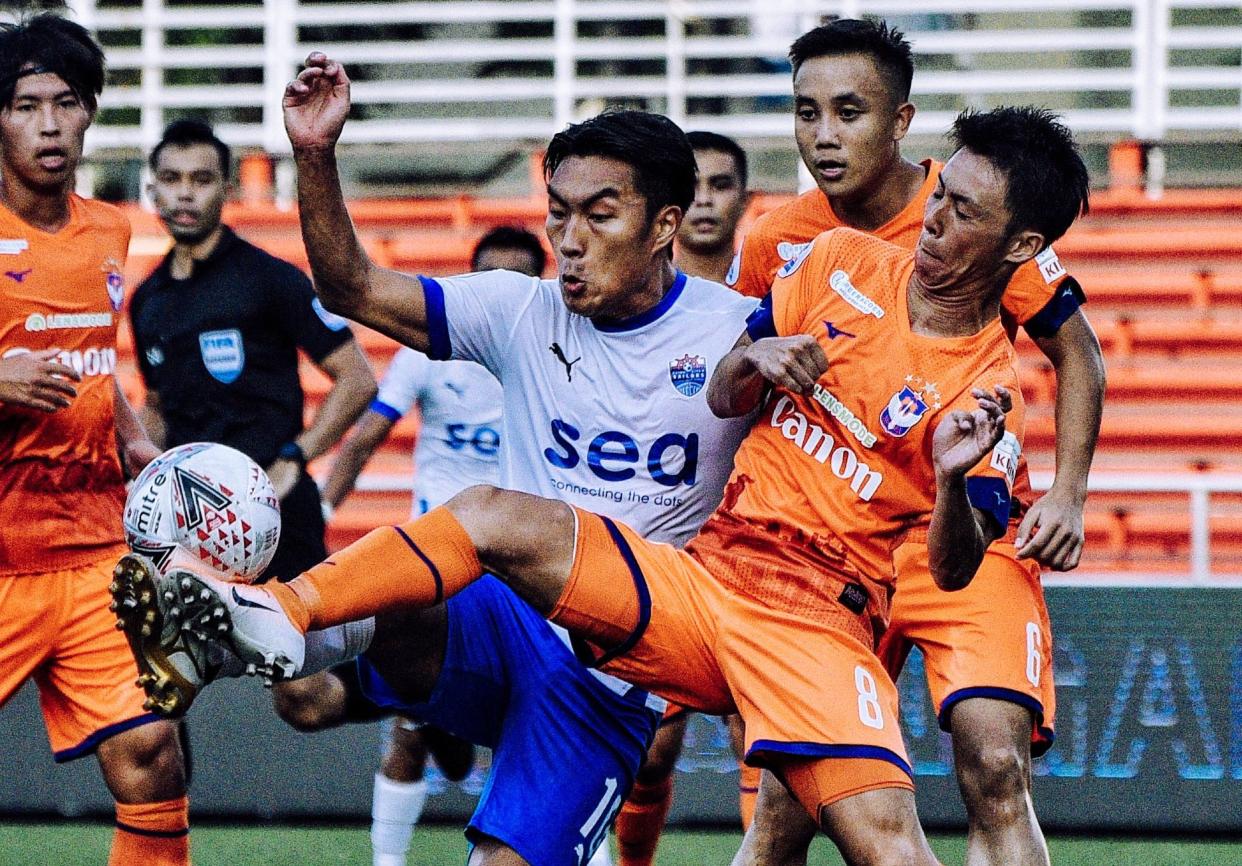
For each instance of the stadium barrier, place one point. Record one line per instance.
(1149, 736)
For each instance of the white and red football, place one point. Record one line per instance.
(204, 505)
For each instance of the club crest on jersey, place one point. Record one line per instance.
(908, 406)
(114, 282)
(223, 354)
(689, 374)
(794, 255)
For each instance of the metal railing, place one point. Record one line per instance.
(1199, 489)
(467, 70)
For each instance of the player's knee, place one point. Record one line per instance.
(994, 784)
(309, 709)
(143, 763)
(490, 515)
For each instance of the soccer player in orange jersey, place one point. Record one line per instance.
(988, 663)
(706, 243)
(64, 417)
(882, 380)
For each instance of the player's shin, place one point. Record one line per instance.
(417, 564)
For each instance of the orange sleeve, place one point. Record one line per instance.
(796, 286)
(1041, 295)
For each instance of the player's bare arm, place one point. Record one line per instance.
(1052, 530)
(353, 388)
(36, 380)
(132, 442)
(355, 452)
(348, 283)
(959, 533)
(743, 376)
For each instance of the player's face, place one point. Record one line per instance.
(41, 132)
(605, 245)
(719, 202)
(189, 190)
(965, 225)
(507, 259)
(847, 124)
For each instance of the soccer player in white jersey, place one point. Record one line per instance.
(705, 248)
(604, 373)
(458, 445)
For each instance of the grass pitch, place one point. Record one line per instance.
(66, 843)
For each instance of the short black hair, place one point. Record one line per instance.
(183, 133)
(50, 43)
(511, 238)
(651, 144)
(1047, 183)
(714, 141)
(885, 45)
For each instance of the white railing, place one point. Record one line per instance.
(465, 70)
(1198, 487)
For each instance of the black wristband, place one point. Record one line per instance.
(292, 451)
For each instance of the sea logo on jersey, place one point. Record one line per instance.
(793, 255)
(908, 406)
(689, 374)
(114, 282)
(819, 444)
(224, 356)
(1050, 267)
(556, 350)
(841, 284)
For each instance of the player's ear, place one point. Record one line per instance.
(1024, 245)
(902, 118)
(664, 226)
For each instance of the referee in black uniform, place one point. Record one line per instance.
(217, 329)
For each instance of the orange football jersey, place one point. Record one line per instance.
(61, 485)
(850, 464)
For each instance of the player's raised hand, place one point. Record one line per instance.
(316, 104)
(793, 363)
(37, 380)
(1052, 532)
(965, 438)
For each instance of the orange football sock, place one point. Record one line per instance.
(641, 821)
(417, 564)
(153, 834)
(747, 792)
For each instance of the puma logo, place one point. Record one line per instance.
(556, 350)
(18, 276)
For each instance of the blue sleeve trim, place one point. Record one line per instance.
(989, 495)
(379, 407)
(996, 693)
(644, 597)
(91, 743)
(441, 349)
(1065, 303)
(760, 323)
(829, 750)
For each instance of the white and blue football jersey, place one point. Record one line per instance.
(459, 440)
(611, 419)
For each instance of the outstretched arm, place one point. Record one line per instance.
(348, 283)
(743, 376)
(960, 533)
(1052, 531)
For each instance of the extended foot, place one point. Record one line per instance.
(173, 663)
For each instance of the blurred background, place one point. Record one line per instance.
(453, 100)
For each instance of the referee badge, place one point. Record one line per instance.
(223, 354)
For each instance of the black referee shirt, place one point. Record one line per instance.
(220, 349)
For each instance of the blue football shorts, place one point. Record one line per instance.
(566, 744)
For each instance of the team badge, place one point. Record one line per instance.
(114, 282)
(794, 255)
(689, 374)
(223, 354)
(908, 406)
